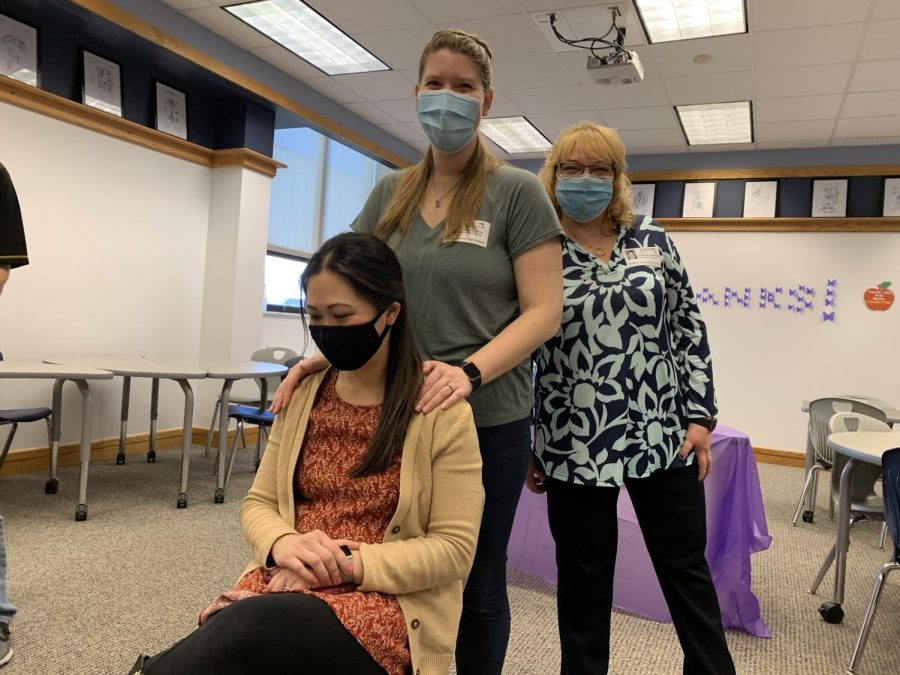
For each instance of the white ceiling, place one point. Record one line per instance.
(819, 72)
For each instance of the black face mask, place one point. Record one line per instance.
(348, 347)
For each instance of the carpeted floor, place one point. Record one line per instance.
(132, 578)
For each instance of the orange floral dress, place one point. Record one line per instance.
(343, 507)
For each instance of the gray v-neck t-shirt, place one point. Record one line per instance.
(462, 295)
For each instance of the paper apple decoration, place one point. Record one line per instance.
(879, 299)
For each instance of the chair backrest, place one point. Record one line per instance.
(851, 421)
(870, 400)
(822, 410)
(890, 470)
(865, 477)
(273, 355)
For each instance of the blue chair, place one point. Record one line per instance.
(890, 472)
(18, 416)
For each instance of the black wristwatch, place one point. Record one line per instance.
(709, 423)
(472, 372)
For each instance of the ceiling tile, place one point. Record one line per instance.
(541, 5)
(549, 99)
(330, 88)
(385, 85)
(807, 46)
(444, 12)
(406, 133)
(778, 14)
(727, 53)
(508, 36)
(368, 111)
(882, 41)
(875, 75)
(712, 88)
(868, 127)
(644, 138)
(877, 140)
(815, 130)
(186, 4)
(403, 110)
(660, 117)
(611, 96)
(530, 72)
(795, 108)
(887, 9)
(287, 61)
(370, 16)
(803, 81)
(774, 145)
(871, 104)
(230, 28)
(398, 48)
(503, 105)
(553, 123)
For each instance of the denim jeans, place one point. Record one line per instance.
(485, 623)
(7, 609)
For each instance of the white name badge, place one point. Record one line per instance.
(649, 255)
(478, 234)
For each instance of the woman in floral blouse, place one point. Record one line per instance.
(624, 396)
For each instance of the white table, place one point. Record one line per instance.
(859, 447)
(128, 367)
(80, 376)
(229, 372)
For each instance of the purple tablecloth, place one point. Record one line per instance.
(736, 528)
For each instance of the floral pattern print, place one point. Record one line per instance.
(630, 365)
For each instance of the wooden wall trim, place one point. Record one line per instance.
(855, 225)
(780, 457)
(50, 105)
(151, 33)
(782, 172)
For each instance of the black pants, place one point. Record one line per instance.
(671, 509)
(282, 633)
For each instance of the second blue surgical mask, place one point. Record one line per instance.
(450, 120)
(585, 197)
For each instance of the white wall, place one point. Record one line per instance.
(117, 237)
(766, 362)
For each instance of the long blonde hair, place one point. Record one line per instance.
(413, 182)
(594, 140)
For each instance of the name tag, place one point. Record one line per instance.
(649, 255)
(478, 234)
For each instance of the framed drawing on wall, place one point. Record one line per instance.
(891, 197)
(759, 198)
(18, 50)
(829, 199)
(171, 110)
(101, 84)
(699, 200)
(642, 198)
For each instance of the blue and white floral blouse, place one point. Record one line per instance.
(629, 366)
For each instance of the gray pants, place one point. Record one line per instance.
(7, 609)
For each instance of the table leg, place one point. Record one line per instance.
(51, 487)
(832, 611)
(154, 413)
(186, 433)
(219, 497)
(85, 452)
(123, 424)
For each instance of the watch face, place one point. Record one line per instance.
(471, 371)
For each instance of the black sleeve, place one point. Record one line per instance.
(12, 234)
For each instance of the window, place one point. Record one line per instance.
(282, 292)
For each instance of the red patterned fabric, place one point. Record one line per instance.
(360, 509)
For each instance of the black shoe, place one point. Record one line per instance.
(6, 651)
(138, 667)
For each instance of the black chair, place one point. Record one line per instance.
(18, 416)
(890, 473)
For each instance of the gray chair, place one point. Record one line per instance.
(819, 457)
(279, 355)
(16, 416)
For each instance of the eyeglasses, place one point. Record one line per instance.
(575, 169)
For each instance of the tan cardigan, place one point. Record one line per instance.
(428, 548)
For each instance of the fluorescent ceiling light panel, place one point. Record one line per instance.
(296, 26)
(669, 20)
(515, 134)
(712, 123)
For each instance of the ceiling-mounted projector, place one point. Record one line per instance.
(619, 67)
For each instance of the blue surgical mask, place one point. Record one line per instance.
(585, 197)
(450, 120)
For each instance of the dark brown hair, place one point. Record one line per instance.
(372, 270)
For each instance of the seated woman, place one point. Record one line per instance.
(364, 515)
